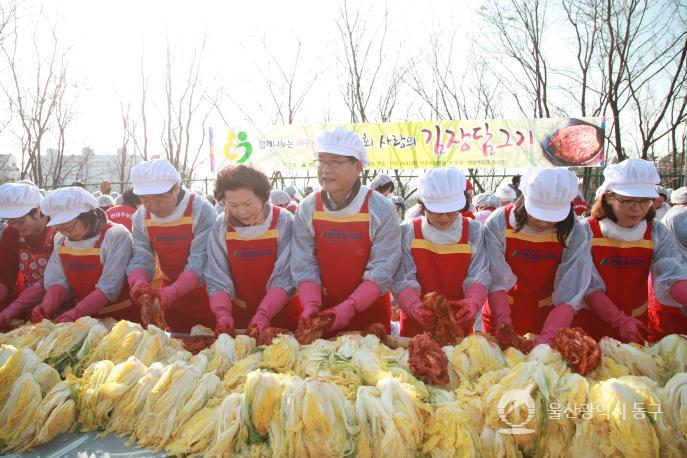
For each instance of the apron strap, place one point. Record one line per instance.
(647, 233)
(595, 227)
(102, 235)
(466, 229)
(275, 217)
(506, 213)
(417, 228)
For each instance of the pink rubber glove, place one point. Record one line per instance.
(310, 295)
(88, 306)
(273, 303)
(475, 297)
(630, 329)
(500, 309)
(54, 297)
(187, 282)
(4, 291)
(138, 284)
(679, 292)
(410, 302)
(28, 298)
(560, 317)
(221, 306)
(360, 300)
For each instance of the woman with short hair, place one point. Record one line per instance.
(247, 274)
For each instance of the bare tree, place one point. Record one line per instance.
(35, 94)
(185, 109)
(285, 92)
(520, 26)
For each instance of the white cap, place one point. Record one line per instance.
(631, 178)
(397, 199)
(114, 194)
(342, 142)
(290, 190)
(18, 199)
(105, 201)
(506, 194)
(661, 190)
(97, 194)
(380, 180)
(548, 193)
(279, 197)
(486, 199)
(65, 204)
(442, 190)
(119, 200)
(679, 196)
(154, 177)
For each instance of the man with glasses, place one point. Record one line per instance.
(172, 226)
(25, 246)
(347, 240)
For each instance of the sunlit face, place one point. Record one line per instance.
(538, 225)
(337, 173)
(386, 192)
(29, 224)
(161, 205)
(244, 205)
(74, 230)
(441, 221)
(629, 211)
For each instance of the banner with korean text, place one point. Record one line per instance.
(493, 143)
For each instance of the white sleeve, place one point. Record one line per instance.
(143, 256)
(204, 216)
(478, 272)
(667, 264)
(217, 270)
(281, 275)
(406, 274)
(385, 234)
(54, 272)
(573, 274)
(596, 283)
(115, 253)
(494, 236)
(304, 265)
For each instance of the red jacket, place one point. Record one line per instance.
(121, 214)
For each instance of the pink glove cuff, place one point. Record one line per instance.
(54, 297)
(407, 298)
(560, 317)
(220, 304)
(91, 304)
(679, 292)
(477, 294)
(187, 282)
(137, 275)
(500, 308)
(365, 295)
(310, 295)
(602, 306)
(273, 302)
(28, 299)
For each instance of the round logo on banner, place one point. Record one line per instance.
(42, 261)
(24, 256)
(33, 265)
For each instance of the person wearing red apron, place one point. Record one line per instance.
(247, 273)
(346, 242)
(124, 213)
(172, 229)
(538, 258)
(25, 246)
(638, 289)
(86, 269)
(438, 255)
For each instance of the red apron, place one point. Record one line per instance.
(534, 260)
(439, 268)
(83, 269)
(664, 319)
(342, 247)
(251, 262)
(624, 268)
(172, 245)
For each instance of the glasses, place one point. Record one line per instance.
(644, 203)
(332, 164)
